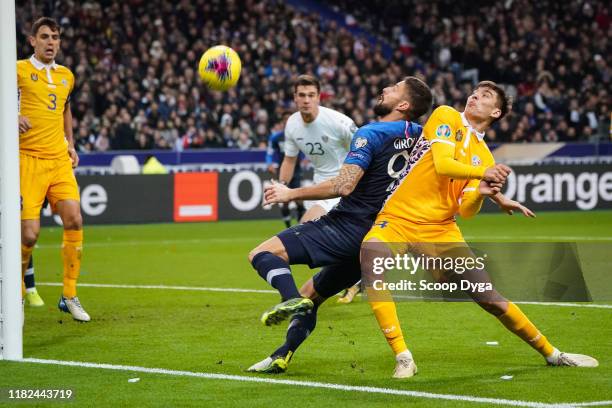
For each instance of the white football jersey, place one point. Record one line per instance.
(325, 141)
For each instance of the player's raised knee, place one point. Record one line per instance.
(253, 253)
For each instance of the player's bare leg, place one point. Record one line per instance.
(314, 212)
(29, 235)
(271, 261)
(72, 247)
(273, 245)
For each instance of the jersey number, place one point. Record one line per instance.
(390, 167)
(316, 149)
(53, 99)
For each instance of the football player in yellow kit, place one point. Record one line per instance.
(47, 155)
(452, 174)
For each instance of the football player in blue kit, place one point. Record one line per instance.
(379, 153)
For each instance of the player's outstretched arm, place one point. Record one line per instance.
(509, 206)
(446, 165)
(340, 186)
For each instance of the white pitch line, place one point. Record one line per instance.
(591, 404)
(242, 290)
(164, 287)
(310, 384)
(595, 306)
(149, 242)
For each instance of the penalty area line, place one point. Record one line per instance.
(242, 290)
(308, 384)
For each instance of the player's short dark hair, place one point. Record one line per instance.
(307, 80)
(504, 102)
(45, 21)
(419, 96)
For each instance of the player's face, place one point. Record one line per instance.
(482, 104)
(46, 44)
(307, 99)
(390, 98)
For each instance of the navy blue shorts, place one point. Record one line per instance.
(333, 242)
(330, 240)
(335, 278)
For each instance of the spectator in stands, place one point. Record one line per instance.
(135, 64)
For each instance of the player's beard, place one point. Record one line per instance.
(381, 110)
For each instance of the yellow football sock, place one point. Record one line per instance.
(26, 253)
(71, 255)
(386, 315)
(516, 321)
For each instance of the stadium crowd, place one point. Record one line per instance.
(136, 62)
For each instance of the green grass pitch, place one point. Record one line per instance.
(219, 332)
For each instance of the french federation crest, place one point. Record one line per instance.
(360, 142)
(443, 131)
(476, 160)
(325, 139)
(34, 76)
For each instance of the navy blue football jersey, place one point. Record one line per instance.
(275, 152)
(382, 150)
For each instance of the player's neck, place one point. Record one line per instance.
(310, 118)
(393, 117)
(43, 61)
(479, 125)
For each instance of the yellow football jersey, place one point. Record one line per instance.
(43, 94)
(423, 196)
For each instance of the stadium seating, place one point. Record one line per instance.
(137, 86)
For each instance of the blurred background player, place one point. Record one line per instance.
(47, 156)
(274, 157)
(323, 135)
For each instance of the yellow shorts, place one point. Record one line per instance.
(404, 236)
(40, 178)
(391, 229)
(401, 237)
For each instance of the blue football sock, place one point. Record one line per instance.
(301, 326)
(28, 278)
(277, 273)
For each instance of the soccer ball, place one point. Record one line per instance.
(220, 68)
